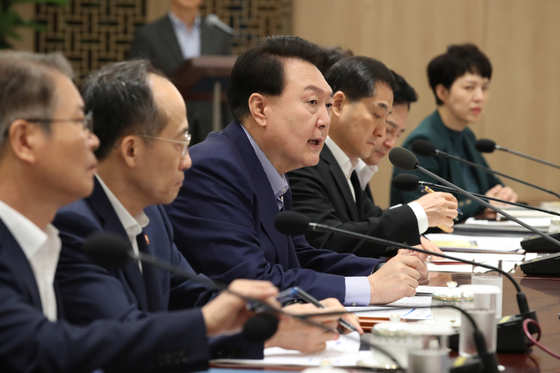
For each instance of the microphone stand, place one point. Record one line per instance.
(498, 147)
(486, 169)
(447, 189)
(511, 337)
(472, 164)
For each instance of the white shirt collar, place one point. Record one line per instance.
(177, 22)
(29, 236)
(365, 173)
(341, 158)
(132, 224)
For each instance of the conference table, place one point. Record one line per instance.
(543, 294)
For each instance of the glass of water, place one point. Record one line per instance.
(484, 276)
(477, 301)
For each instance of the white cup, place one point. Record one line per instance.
(484, 276)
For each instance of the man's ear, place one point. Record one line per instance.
(257, 106)
(339, 100)
(23, 137)
(442, 93)
(129, 148)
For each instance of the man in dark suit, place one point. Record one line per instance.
(330, 192)
(460, 81)
(181, 35)
(46, 162)
(144, 132)
(237, 185)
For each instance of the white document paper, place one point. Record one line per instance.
(409, 312)
(533, 222)
(470, 243)
(464, 268)
(344, 352)
(482, 257)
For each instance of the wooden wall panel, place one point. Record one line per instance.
(156, 9)
(519, 37)
(524, 110)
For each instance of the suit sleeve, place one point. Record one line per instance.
(174, 342)
(216, 219)
(311, 197)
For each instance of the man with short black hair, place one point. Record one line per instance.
(237, 185)
(141, 121)
(330, 192)
(460, 80)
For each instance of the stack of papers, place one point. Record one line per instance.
(473, 225)
(519, 212)
(480, 244)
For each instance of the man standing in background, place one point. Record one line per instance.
(180, 35)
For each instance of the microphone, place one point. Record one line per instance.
(110, 250)
(427, 149)
(488, 146)
(404, 159)
(511, 337)
(411, 182)
(213, 19)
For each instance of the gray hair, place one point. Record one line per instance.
(27, 87)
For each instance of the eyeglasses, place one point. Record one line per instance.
(185, 143)
(86, 121)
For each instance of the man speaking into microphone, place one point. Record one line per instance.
(237, 185)
(460, 80)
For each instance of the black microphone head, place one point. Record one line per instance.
(260, 327)
(403, 159)
(291, 223)
(108, 250)
(424, 148)
(485, 145)
(406, 182)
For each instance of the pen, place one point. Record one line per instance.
(309, 299)
(427, 189)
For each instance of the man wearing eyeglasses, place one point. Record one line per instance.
(140, 119)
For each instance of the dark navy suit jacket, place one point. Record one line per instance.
(224, 217)
(91, 292)
(30, 343)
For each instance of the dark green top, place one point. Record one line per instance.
(433, 130)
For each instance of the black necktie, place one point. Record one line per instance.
(358, 193)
